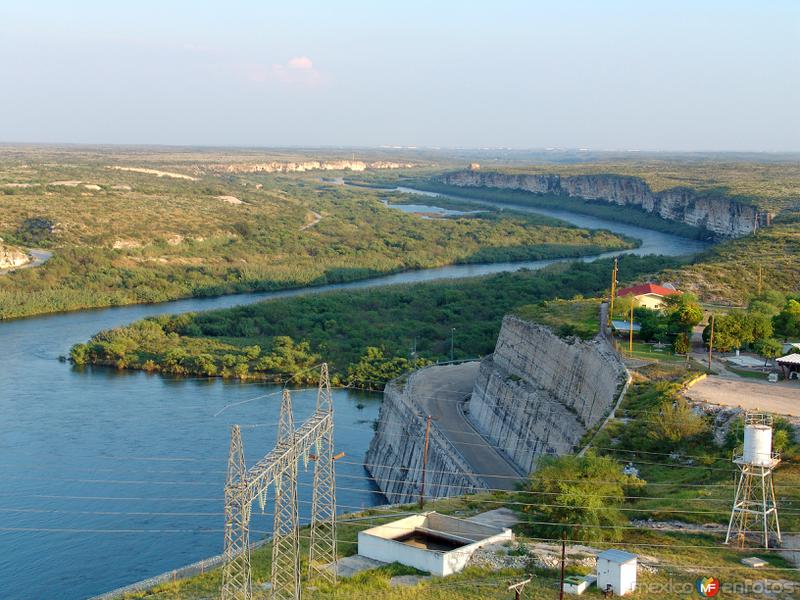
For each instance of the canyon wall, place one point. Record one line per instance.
(717, 214)
(309, 165)
(395, 454)
(538, 393)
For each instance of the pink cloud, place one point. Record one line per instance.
(298, 70)
(300, 63)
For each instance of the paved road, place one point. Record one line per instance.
(439, 390)
(779, 398)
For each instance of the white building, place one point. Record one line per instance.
(616, 570)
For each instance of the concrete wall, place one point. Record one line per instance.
(395, 454)
(538, 393)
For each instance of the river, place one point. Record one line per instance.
(109, 477)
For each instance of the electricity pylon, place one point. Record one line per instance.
(322, 547)
(285, 530)
(279, 468)
(236, 583)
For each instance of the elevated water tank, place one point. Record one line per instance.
(757, 445)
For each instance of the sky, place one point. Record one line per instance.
(701, 75)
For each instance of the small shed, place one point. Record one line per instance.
(790, 365)
(616, 570)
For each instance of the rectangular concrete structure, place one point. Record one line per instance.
(616, 570)
(430, 542)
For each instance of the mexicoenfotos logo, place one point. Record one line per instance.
(707, 586)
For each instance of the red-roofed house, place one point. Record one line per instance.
(649, 295)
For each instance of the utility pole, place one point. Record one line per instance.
(760, 279)
(711, 342)
(424, 460)
(563, 561)
(630, 336)
(518, 587)
(613, 291)
(452, 342)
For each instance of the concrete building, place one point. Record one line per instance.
(430, 542)
(616, 570)
(648, 295)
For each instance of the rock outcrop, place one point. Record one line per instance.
(11, 257)
(309, 165)
(720, 215)
(538, 393)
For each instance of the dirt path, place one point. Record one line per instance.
(779, 398)
(317, 218)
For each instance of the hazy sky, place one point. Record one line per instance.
(601, 74)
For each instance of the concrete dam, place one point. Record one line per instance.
(537, 395)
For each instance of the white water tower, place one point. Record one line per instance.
(754, 508)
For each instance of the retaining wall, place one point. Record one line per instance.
(538, 394)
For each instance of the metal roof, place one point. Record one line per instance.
(789, 359)
(617, 556)
(625, 325)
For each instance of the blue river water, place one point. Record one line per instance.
(108, 477)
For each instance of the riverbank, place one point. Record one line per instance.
(175, 238)
(281, 339)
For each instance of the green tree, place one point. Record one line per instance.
(787, 321)
(681, 345)
(79, 354)
(653, 324)
(675, 424)
(584, 491)
(769, 348)
(683, 313)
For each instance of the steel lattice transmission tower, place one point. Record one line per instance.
(285, 529)
(279, 469)
(322, 547)
(236, 582)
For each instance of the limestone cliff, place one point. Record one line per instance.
(309, 165)
(539, 393)
(717, 214)
(11, 257)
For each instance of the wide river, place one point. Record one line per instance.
(109, 477)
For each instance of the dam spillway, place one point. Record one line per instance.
(537, 395)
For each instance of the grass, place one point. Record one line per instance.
(682, 557)
(747, 373)
(565, 317)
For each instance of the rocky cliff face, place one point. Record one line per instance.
(11, 257)
(719, 215)
(538, 393)
(309, 165)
